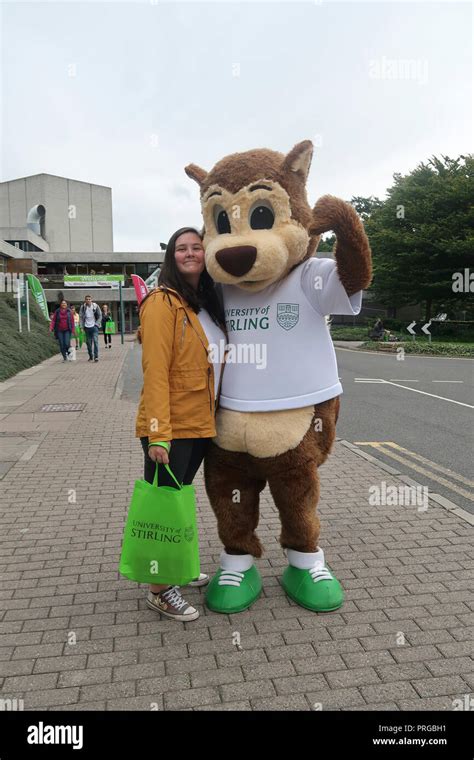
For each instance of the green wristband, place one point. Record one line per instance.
(165, 444)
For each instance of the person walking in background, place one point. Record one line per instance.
(106, 317)
(377, 332)
(90, 319)
(62, 324)
(77, 327)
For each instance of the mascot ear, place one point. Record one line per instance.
(196, 173)
(298, 160)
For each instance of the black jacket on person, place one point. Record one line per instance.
(105, 318)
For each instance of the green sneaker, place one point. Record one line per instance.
(232, 589)
(314, 588)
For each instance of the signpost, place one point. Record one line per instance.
(18, 298)
(27, 297)
(426, 330)
(122, 314)
(411, 330)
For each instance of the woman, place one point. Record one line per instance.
(62, 324)
(75, 317)
(176, 416)
(106, 317)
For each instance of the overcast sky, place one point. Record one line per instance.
(125, 94)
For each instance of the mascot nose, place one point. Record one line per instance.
(238, 260)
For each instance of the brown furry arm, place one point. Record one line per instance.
(352, 250)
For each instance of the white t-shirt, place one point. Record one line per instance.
(283, 356)
(89, 318)
(215, 337)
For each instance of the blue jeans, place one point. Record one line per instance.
(64, 338)
(92, 336)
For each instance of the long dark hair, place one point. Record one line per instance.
(205, 297)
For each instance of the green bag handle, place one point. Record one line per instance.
(167, 467)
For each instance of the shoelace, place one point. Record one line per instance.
(320, 574)
(174, 597)
(230, 578)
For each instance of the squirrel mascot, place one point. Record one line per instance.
(277, 414)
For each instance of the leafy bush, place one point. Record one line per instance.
(423, 347)
(349, 333)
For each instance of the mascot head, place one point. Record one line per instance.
(257, 220)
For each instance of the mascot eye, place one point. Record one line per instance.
(221, 220)
(261, 216)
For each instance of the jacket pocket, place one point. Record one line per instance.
(187, 380)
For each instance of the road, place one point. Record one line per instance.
(425, 406)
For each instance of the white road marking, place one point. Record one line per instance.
(402, 380)
(415, 390)
(447, 381)
(441, 398)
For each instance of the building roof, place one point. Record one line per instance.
(59, 176)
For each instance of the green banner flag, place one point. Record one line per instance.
(38, 293)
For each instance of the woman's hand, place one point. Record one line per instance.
(158, 454)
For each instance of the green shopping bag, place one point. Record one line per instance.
(110, 327)
(79, 334)
(160, 541)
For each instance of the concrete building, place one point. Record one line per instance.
(54, 226)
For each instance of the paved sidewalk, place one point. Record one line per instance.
(74, 635)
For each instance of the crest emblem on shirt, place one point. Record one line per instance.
(189, 533)
(288, 315)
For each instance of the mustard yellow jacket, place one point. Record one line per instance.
(177, 399)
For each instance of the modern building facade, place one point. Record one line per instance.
(54, 226)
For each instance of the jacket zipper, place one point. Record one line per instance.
(208, 369)
(208, 387)
(184, 328)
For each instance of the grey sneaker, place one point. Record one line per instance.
(171, 604)
(202, 580)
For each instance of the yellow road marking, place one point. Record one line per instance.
(434, 465)
(380, 446)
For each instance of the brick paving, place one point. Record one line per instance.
(76, 636)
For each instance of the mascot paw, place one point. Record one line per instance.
(313, 587)
(331, 213)
(236, 585)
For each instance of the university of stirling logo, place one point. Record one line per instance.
(288, 315)
(189, 533)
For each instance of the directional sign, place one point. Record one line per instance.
(411, 330)
(426, 330)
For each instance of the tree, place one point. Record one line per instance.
(422, 234)
(326, 245)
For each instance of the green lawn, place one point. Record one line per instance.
(22, 350)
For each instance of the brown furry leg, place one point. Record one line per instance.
(294, 480)
(295, 492)
(228, 474)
